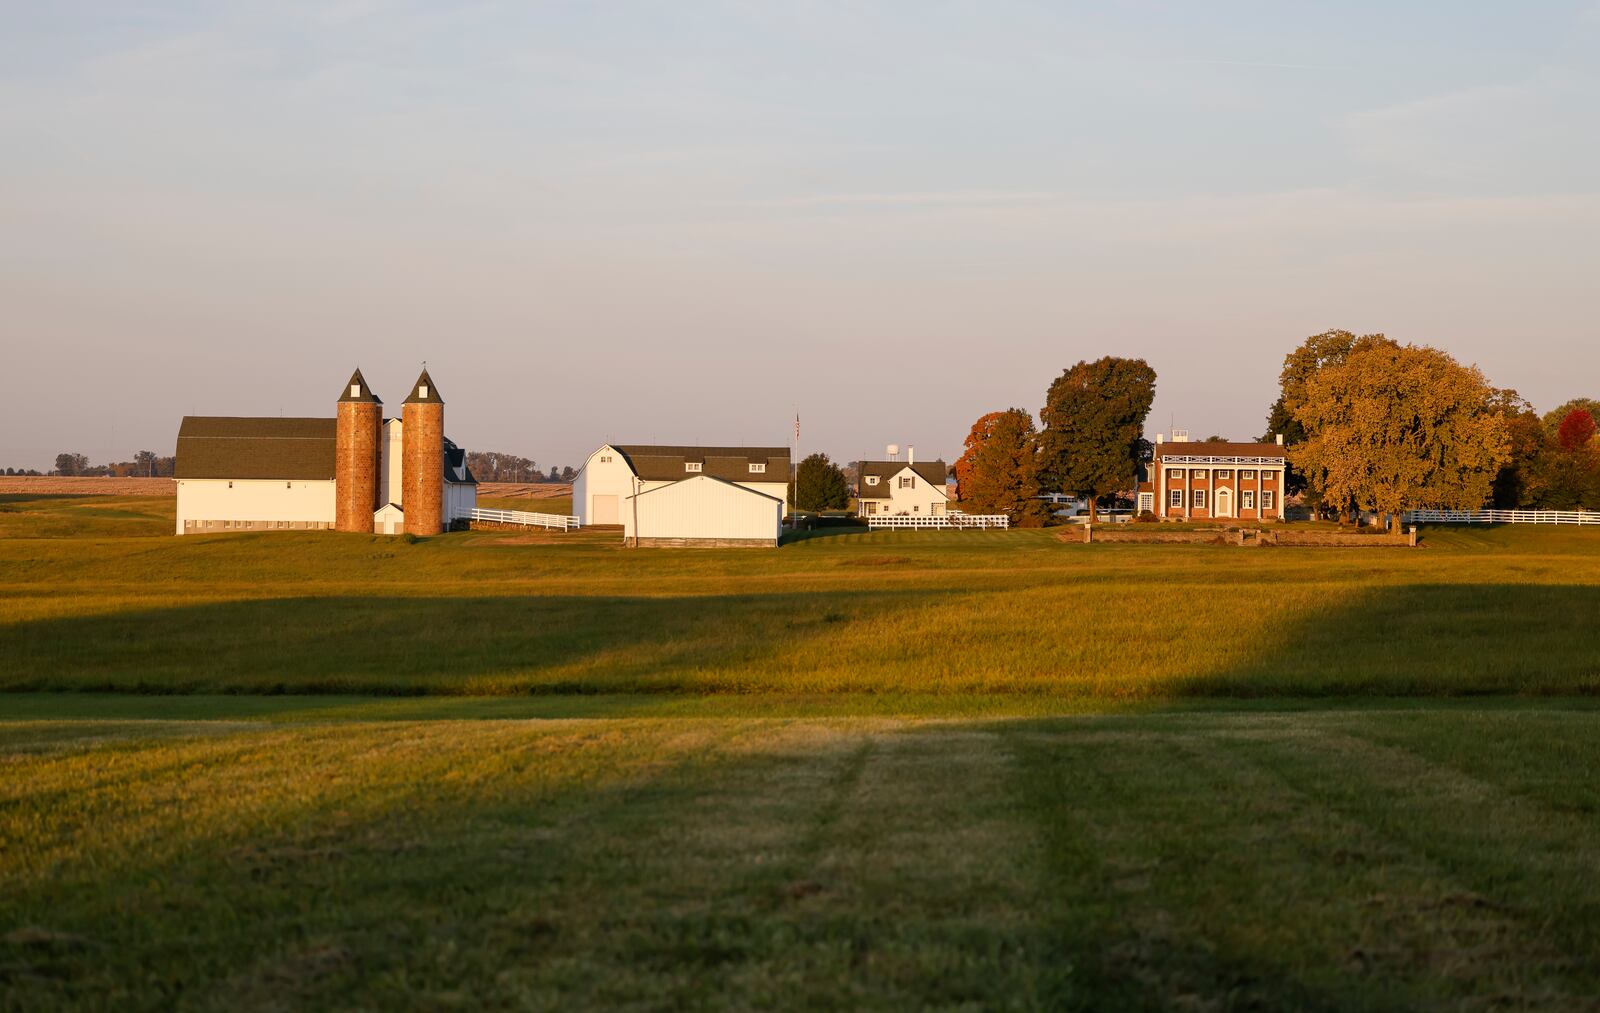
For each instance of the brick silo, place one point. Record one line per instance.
(422, 458)
(355, 470)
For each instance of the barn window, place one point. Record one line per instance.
(758, 469)
(422, 391)
(691, 466)
(1199, 499)
(355, 390)
(605, 460)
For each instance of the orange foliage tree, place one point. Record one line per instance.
(998, 473)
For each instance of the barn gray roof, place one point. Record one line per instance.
(211, 446)
(232, 447)
(666, 464)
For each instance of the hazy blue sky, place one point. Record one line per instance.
(676, 221)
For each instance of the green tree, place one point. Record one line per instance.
(819, 484)
(1522, 478)
(1395, 428)
(998, 472)
(1093, 438)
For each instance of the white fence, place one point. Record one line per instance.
(1501, 517)
(525, 518)
(956, 520)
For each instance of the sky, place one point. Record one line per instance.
(686, 221)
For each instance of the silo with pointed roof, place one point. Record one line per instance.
(422, 458)
(356, 461)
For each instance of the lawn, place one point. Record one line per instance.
(897, 769)
(94, 595)
(275, 854)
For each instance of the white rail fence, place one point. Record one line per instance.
(1501, 517)
(945, 521)
(525, 518)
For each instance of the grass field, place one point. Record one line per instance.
(899, 769)
(94, 594)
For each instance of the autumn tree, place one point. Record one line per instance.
(1576, 430)
(1093, 437)
(1299, 366)
(1395, 428)
(1521, 479)
(819, 484)
(998, 472)
(1553, 418)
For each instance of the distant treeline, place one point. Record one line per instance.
(493, 466)
(145, 464)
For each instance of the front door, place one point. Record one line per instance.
(1224, 503)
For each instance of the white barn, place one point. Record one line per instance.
(618, 479)
(886, 488)
(702, 511)
(266, 474)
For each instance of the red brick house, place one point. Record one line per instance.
(1214, 481)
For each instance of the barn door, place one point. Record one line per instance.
(605, 510)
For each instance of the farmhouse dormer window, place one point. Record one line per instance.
(758, 469)
(872, 479)
(691, 466)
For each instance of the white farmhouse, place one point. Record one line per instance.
(901, 487)
(685, 495)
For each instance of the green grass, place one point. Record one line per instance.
(893, 769)
(1506, 610)
(1379, 857)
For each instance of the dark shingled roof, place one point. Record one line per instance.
(665, 464)
(365, 394)
(416, 391)
(304, 449)
(1219, 450)
(932, 472)
(227, 447)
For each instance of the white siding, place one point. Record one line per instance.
(923, 498)
(459, 499)
(390, 485)
(221, 499)
(703, 508)
(600, 477)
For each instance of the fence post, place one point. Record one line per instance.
(1413, 538)
(1088, 533)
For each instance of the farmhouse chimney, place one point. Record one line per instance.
(422, 458)
(356, 456)
(1161, 438)
(911, 454)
